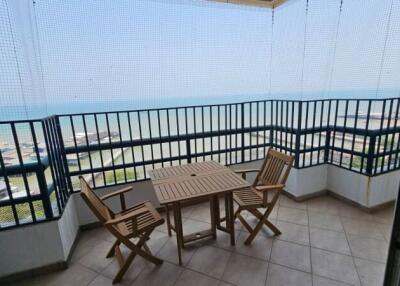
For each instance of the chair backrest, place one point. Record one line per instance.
(275, 169)
(102, 212)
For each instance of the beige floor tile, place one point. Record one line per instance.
(371, 273)
(384, 215)
(368, 248)
(131, 274)
(201, 213)
(329, 240)
(191, 278)
(260, 247)
(243, 270)
(334, 266)
(193, 226)
(223, 240)
(362, 228)
(210, 260)
(325, 204)
(283, 276)
(169, 252)
(288, 202)
(349, 211)
(293, 232)
(155, 275)
(293, 215)
(321, 281)
(73, 275)
(96, 259)
(157, 241)
(325, 221)
(292, 255)
(101, 281)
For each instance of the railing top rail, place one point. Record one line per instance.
(224, 104)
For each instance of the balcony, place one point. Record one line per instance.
(111, 90)
(335, 211)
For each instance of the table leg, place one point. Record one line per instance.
(231, 217)
(213, 213)
(178, 229)
(168, 220)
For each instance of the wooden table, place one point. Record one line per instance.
(176, 184)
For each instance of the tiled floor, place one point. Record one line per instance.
(324, 242)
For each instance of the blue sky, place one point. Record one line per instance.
(122, 50)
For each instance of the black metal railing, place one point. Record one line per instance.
(109, 148)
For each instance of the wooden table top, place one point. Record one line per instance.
(178, 183)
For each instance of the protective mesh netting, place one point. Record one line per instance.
(131, 54)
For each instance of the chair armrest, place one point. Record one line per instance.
(129, 216)
(116, 193)
(246, 171)
(269, 187)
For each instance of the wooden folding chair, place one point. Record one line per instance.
(271, 178)
(138, 221)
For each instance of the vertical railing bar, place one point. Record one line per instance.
(96, 123)
(226, 134)
(75, 143)
(211, 131)
(354, 133)
(49, 156)
(195, 133)
(265, 128)
(365, 136)
(219, 137)
(55, 162)
(23, 169)
(41, 177)
(151, 137)
(378, 150)
(394, 136)
(236, 133)
(52, 163)
(179, 135)
(292, 127)
(58, 156)
(8, 187)
(132, 148)
(122, 148)
(87, 145)
(202, 130)
(334, 129)
(328, 134)
(320, 132)
(298, 135)
(281, 126)
(188, 151)
(141, 143)
(230, 134)
(159, 135)
(258, 129)
(305, 134)
(387, 135)
(169, 137)
(287, 126)
(313, 130)
(346, 109)
(111, 149)
(63, 155)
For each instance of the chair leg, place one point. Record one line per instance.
(254, 232)
(269, 224)
(111, 252)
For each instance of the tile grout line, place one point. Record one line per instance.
(352, 257)
(309, 240)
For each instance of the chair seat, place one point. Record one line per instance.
(248, 197)
(149, 219)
